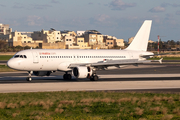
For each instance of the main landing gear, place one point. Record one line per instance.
(29, 76)
(94, 77)
(67, 76)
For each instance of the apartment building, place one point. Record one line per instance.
(69, 40)
(4, 29)
(82, 44)
(119, 42)
(49, 39)
(93, 37)
(80, 33)
(130, 40)
(110, 43)
(47, 36)
(68, 33)
(16, 38)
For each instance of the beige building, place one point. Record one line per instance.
(82, 44)
(16, 38)
(110, 43)
(150, 41)
(80, 33)
(93, 37)
(47, 36)
(120, 42)
(58, 45)
(69, 40)
(68, 33)
(4, 29)
(130, 40)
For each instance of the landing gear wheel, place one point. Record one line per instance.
(94, 78)
(29, 79)
(67, 77)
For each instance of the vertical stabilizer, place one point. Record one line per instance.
(140, 41)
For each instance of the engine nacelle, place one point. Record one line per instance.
(42, 73)
(82, 72)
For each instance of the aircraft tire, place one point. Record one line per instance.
(69, 77)
(65, 76)
(29, 79)
(94, 78)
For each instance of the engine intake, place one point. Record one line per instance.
(82, 72)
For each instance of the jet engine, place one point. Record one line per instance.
(82, 72)
(42, 73)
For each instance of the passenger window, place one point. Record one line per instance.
(21, 56)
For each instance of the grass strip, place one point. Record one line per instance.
(5, 57)
(5, 68)
(90, 105)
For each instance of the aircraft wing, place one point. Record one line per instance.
(111, 63)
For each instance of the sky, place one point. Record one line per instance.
(119, 18)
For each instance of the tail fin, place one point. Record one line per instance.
(140, 41)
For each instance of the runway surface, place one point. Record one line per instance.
(150, 77)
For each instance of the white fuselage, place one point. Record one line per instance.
(59, 60)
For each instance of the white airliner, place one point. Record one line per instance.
(82, 63)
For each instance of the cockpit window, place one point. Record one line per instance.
(16, 56)
(20, 56)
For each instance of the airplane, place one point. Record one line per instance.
(82, 63)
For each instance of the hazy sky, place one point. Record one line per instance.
(119, 18)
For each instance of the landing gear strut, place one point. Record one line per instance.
(67, 76)
(29, 77)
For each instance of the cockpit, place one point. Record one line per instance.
(20, 56)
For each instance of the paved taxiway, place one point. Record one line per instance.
(150, 77)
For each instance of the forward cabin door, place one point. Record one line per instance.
(131, 55)
(35, 57)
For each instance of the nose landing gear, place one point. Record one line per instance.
(29, 76)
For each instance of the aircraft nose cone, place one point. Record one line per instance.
(11, 64)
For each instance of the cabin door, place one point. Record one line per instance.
(131, 55)
(35, 57)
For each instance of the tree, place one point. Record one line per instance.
(3, 44)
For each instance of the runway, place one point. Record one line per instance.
(157, 78)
